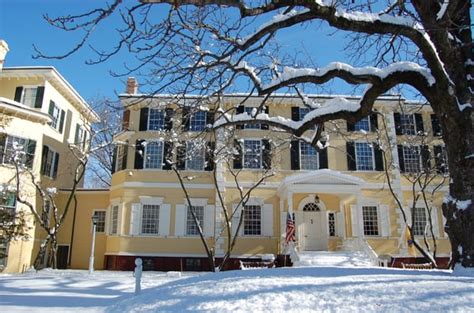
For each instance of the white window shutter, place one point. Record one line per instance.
(267, 220)
(209, 218)
(180, 222)
(164, 226)
(283, 217)
(236, 219)
(135, 215)
(434, 221)
(384, 220)
(354, 221)
(119, 219)
(340, 225)
(108, 213)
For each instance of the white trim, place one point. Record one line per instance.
(260, 167)
(145, 154)
(151, 200)
(371, 146)
(310, 199)
(161, 185)
(105, 220)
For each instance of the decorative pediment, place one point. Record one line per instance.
(322, 177)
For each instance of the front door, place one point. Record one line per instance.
(62, 257)
(315, 231)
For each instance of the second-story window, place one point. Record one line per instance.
(195, 156)
(57, 116)
(252, 153)
(252, 112)
(362, 124)
(410, 159)
(308, 157)
(364, 156)
(197, 121)
(156, 119)
(17, 149)
(49, 162)
(408, 124)
(153, 154)
(8, 202)
(29, 96)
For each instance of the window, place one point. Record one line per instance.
(191, 227)
(252, 154)
(364, 156)
(150, 219)
(252, 112)
(120, 163)
(252, 220)
(3, 252)
(8, 201)
(57, 116)
(154, 154)
(441, 159)
(369, 216)
(21, 148)
(80, 136)
(193, 265)
(100, 224)
(311, 207)
(29, 96)
(49, 163)
(407, 123)
(114, 220)
(308, 157)
(302, 113)
(362, 124)
(197, 121)
(411, 159)
(332, 224)
(46, 212)
(195, 155)
(156, 119)
(419, 221)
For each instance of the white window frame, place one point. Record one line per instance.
(189, 219)
(192, 119)
(145, 159)
(189, 156)
(405, 150)
(149, 200)
(371, 146)
(162, 111)
(121, 148)
(105, 219)
(403, 125)
(244, 154)
(248, 110)
(23, 93)
(301, 158)
(157, 233)
(114, 221)
(377, 210)
(254, 202)
(368, 124)
(55, 120)
(9, 141)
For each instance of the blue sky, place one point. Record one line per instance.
(22, 25)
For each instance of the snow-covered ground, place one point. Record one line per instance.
(317, 288)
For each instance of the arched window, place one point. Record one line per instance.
(311, 207)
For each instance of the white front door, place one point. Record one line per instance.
(315, 236)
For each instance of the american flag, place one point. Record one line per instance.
(290, 229)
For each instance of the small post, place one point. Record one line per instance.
(91, 258)
(138, 275)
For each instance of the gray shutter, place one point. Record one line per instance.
(238, 158)
(180, 220)
(61, 121)
(323, 158)
(401, 160)
(419, 122)
(143, 126)
(398, 123)
(168, 119)
(351, 157)
(30, 153)
(139, 154)
(55, 165)
(39, 97)
(267, 220)
(373, 121)
(209, 218)
(135, 215)
(295, 114)
(3, 139)
(44, 159)
(164, 226)
(266, 154)
(240, 109)
(18, 93)
(295, 154)
(354, 221)
(340, 225)
(167, 155)
(384, 211)
(378, 156)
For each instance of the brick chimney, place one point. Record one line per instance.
(132, 85)
(3, 52)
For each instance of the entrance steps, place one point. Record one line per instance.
(329, 259)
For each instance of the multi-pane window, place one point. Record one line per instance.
(332, 224)
(370, 220)
(55, 113)
(364, 156)
(363, 124)
(153, 154)
(252, 153)
(311, 207)
(197, 121)
(252, 220)
(8, 202)
(15, 147)
(411, 159)
(29, 96)
(252, 112)
(121, 155)
(114, 220)
(156, 119)
(419, 221)
(407, 122)
(308, 157)
(150, 219)
(100, 224)
(303, 112)
(191, 227)
(195, 156)
(50, 158)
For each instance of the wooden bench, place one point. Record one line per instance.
(422, 266)
(256, 264)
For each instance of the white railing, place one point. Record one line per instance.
(367, 249)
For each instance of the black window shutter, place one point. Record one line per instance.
(169, 118)
(61, 121)
(39, 97)
(323, 158)
(266, 154)
(398, 123)
(44, 159)
(295, 154)
(210, 118)
(240, 109)
(3, 138)
(378, 156)
(351, 158)
(374, 125)
(84, 141)
(419, 122)
(401, 161)
(143, 119)
(209, 166)
(30, 153)
(55, 165)
(76, 134)
(441, 166)
(181, 156)
(295, 114)
(264, 125)
(51, 107)
(114, 159)
(18, 92)
(186, 118)
(238, 158)
(350, 126)
(167, 155)
(425, 157)
(139, 154)
(125, 156)
(436, 127)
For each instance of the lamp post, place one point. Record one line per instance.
(91, 258)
